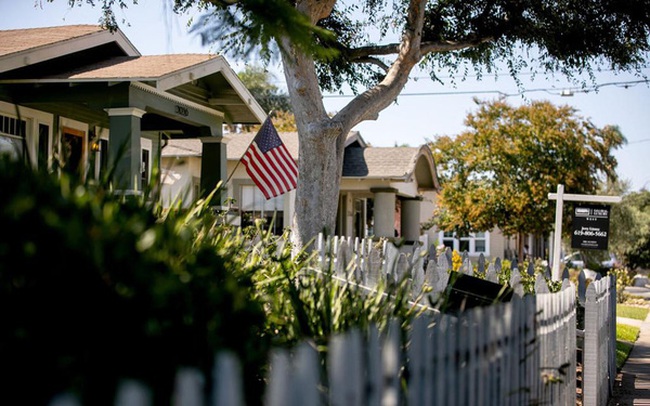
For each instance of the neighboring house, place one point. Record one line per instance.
(87, 98)
(385, 192)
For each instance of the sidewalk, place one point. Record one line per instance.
(632, 386)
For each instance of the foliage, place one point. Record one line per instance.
(632, 312)
(624, 278)
(305, 300)
(95, 288)
(373, 46)
(258, 81)
(631, 223)
(500, 171)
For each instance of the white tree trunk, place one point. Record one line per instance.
(322, 138)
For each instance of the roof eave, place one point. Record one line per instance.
(46, 52)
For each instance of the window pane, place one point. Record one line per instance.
(12, 146)
(463, 246)
(448, 243)
(479, 235)
(43, 145)
(479, 246)
(449, 234)
(247, 198)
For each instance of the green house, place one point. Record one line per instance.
(84, 97)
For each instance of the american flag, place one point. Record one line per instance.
(269, 163)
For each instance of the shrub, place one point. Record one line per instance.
(95, 288)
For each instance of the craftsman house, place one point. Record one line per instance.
(85, 97)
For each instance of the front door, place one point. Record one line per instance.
(73, 150)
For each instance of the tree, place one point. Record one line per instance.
(499, 172)
(630, 229)
(259, 82)
(324, 44)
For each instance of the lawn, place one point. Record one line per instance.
(625, 338)
(631, 312)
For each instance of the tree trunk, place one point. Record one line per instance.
(318, 186)
(322, 138)
(320, 154)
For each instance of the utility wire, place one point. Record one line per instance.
(568, 91)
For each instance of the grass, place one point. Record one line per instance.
(625, 338)
(631, 312)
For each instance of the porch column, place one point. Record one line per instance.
(384, 212)
(411, 219)
(213, 165)
(124, 150)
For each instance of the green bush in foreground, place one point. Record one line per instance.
(95, 289)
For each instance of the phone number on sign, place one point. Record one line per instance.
(586, 233)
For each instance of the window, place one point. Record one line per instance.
(145, 167)
(474, 243)
(253, 205)
(43, 146)
(12, 132)
(73, 150)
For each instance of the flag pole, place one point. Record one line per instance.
(268, 117)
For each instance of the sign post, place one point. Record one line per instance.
(560, 197)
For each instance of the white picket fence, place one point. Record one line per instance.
(521, 352)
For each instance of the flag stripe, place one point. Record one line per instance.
(274, 156)
(257, 178)
(292, 168)
(259, 175)
(264, 165)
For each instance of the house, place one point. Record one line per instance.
(385, 192)
(86, 97)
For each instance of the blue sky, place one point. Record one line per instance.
(425, 109)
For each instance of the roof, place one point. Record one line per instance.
(20, 48)
(14, 41)
(396, 163)
(90, 54)
(378, 162)
(143, 68)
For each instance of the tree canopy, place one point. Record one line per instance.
(373, 46)
(630, 229)
(499, 172)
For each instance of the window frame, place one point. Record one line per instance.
(470, 239)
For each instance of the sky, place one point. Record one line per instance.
(423, 111)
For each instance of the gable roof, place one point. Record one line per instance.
(24, 47)
(91, 54)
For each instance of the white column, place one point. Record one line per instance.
(411, 219)
(384, 212)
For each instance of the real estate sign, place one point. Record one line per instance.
(590, 227)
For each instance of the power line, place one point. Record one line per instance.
(568, 91)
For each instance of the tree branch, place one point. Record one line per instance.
(363, 53)
(316, 9)
(368, 104)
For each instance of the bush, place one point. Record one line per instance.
(95, 288)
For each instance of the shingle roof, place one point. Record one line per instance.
(379, 162)
(138, 67)
(14, 41)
